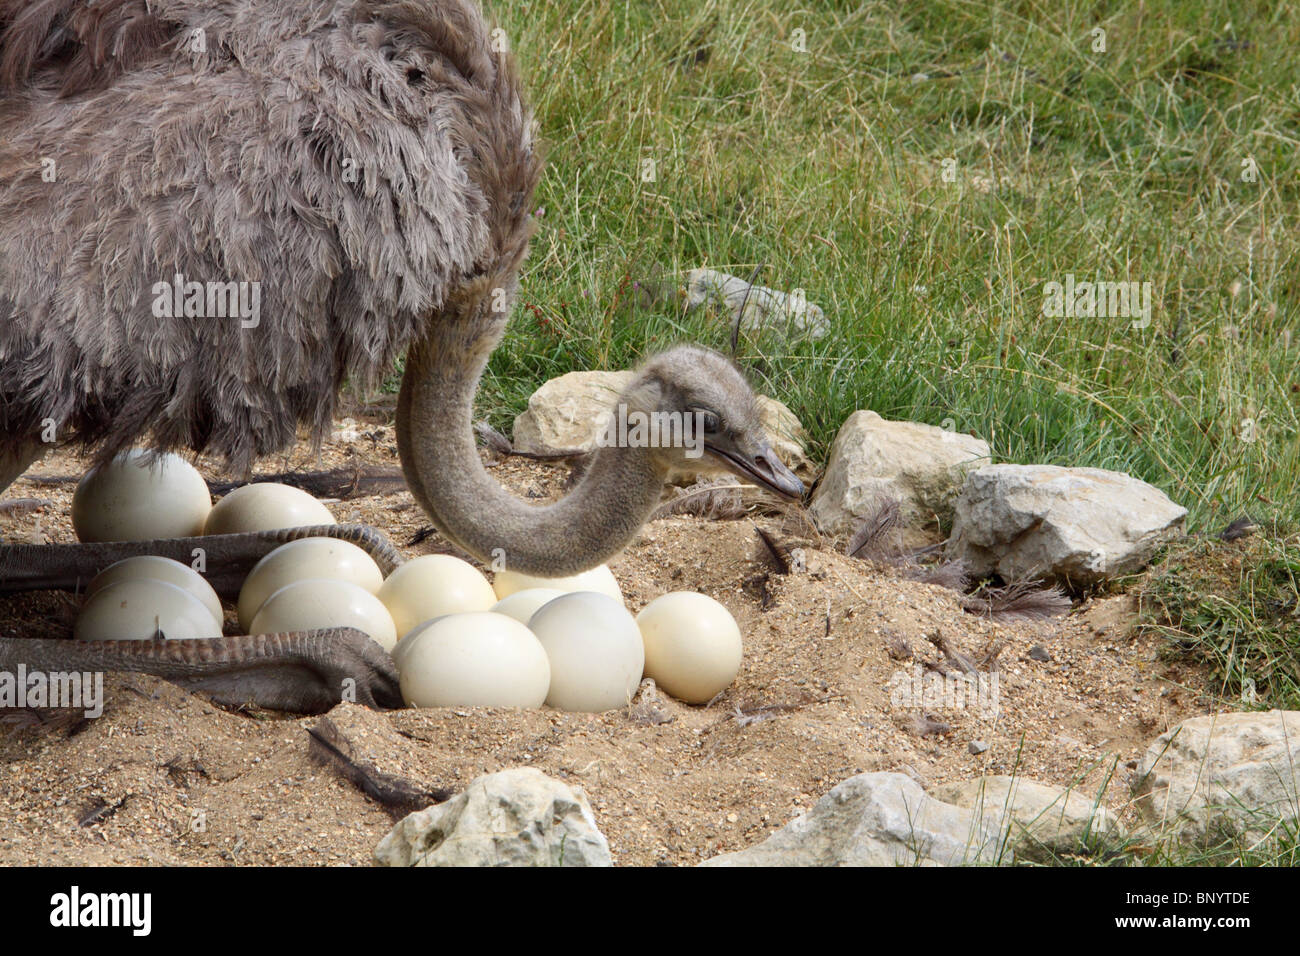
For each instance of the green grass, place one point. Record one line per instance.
(1236, 609)
(824, 169)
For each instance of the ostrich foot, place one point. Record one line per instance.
(305, 672)
(226, 558)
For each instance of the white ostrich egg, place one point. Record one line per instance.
(692, 645)
(157, 568)
(404, 644)
(305, 558)
(138, 608)
(317, 603)
(266, 506)
(433, 585)
(138, 498)
(600, 580)
(595, 651)
(522, 605)
(479, 659)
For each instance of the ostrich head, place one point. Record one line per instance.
(704, 409)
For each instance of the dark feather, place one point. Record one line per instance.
(397, 795)
(99, 810)
(877, 536)
(493, 439)
(1026, 600)
(717, 500)
(1240, 528)
(927, 725)
(21, 507)
(348, 481)
(946, 574)
(778, 553)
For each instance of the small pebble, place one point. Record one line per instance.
(977, 747)
(1039, 653)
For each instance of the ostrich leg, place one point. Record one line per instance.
(304, 672)
(17, 459)
(227, 557)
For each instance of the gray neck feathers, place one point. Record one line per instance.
(446, 476)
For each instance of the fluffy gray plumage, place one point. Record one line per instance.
(229, 165)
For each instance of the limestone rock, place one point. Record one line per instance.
(1079, 525)
(1223, 775)
(876, 819)
(517, 817)
(786, 435)
(565, 414)
(762, 308)
(922, 466)
(1040, 820)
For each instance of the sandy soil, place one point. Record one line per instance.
(178, 780)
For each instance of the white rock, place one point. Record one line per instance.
(1222, 775)
(517, 817)
(1040, 820)
(1081, 525)
(920, 465)
(763, 308)
(876, 819)
(564, 414)
(786, 436)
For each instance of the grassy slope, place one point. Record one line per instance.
(824, 167)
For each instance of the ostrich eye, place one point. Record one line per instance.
(708, 419)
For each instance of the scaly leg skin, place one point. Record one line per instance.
(227, 557)
(17, 459)
(306, 672)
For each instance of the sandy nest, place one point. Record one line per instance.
(165, 776)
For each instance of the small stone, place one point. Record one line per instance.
(977, 747)
(1039, 653)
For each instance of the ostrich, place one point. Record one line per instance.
(369, 164)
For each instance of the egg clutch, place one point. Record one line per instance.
(457, 640)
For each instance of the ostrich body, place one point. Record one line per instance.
(369, 164)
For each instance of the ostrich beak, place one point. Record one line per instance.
(763, 468)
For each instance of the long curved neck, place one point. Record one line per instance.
(441, 462)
